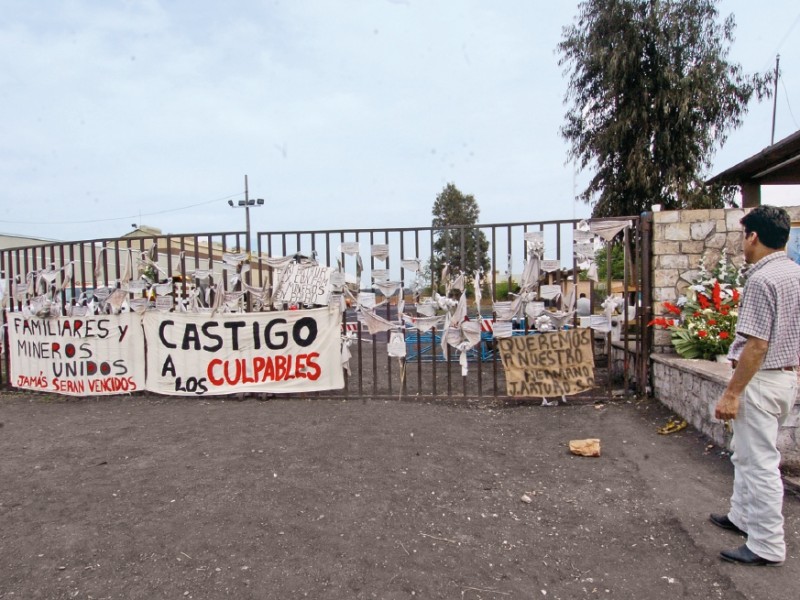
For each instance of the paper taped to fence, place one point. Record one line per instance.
(304, 284)
(277, 352)
(78, 356)
(548, 364)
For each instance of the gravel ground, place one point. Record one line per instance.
(151, 497)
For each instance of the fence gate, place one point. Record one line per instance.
(398, 271)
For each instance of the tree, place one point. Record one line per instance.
(457, 242)
(650, 95)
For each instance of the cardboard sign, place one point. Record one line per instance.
(77, 356)
(279, 352)
(548, 364)
(305, 285)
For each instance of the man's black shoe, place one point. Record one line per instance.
(744, 556)
(724, 522)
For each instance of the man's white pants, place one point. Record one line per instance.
(757, 500)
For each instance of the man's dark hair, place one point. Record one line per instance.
(771, 223)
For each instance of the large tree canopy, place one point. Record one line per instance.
(458, 242)
(650, 96)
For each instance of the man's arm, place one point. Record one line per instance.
(749, 363)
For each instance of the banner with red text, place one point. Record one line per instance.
(278, 352)
(78, 356)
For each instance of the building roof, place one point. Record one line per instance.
(778, 164)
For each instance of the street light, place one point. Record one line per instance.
(247, 203)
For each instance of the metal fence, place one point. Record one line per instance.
(75, 270)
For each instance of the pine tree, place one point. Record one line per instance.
(458, 242)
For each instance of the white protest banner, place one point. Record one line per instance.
(77, 356)
(349, 248)
(304, 284)
(548, 266)
(380, 274)
(548, 364)
(410, 264)
(549, 292)
(380, 251)
(338, 280)
(534, 236)
(366, 299)
(277, 352)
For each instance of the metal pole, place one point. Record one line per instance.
(775, 97)
(247, 216)
(247, 239)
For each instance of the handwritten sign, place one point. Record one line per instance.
(548, 266)
(77, 356)
(304, 284)
(548, 364)
(289, 351)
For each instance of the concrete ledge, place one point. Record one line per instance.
(691, 388)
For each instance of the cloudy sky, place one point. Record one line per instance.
(343, 113)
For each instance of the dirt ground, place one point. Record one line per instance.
(148, 497)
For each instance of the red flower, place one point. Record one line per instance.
(661, 322)
(702, 333)
(723, 335)
(724, 310)
(704, 303)
(716, 295)
(696, 313)
(712, 321)
(672, 308)
(735, 295)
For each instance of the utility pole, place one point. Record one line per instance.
(775, 97)
(246, 204)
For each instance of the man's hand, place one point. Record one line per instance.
(727, 406)
(749, 363)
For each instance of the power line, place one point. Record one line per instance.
(785, 37)
(136, 216)
(788, 104)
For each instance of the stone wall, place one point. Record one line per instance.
(680, 239)
(691, 388)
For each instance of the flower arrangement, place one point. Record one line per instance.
(703, 322)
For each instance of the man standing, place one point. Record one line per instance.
(765, 355)
(584, 306)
